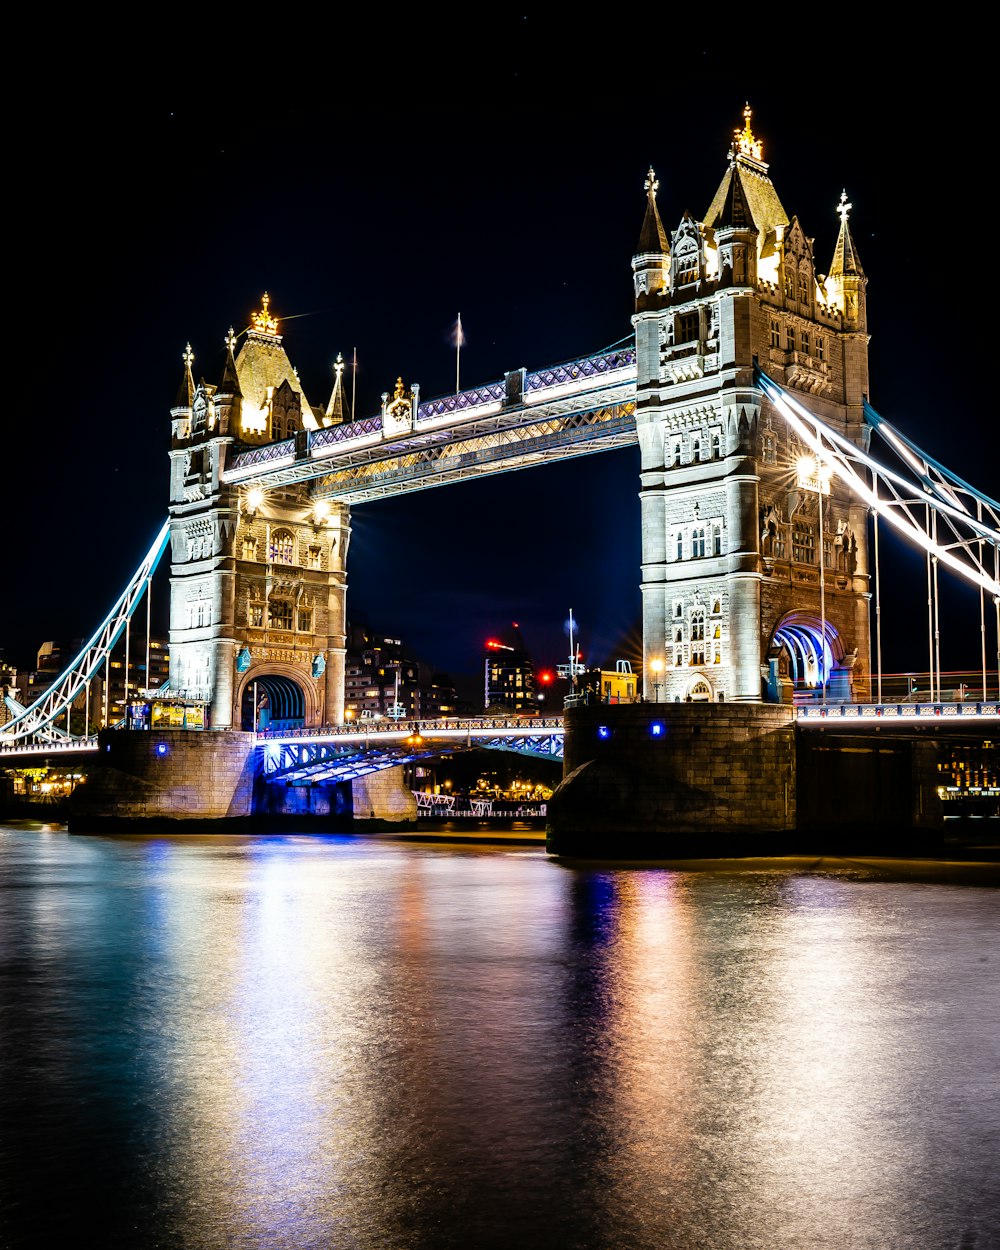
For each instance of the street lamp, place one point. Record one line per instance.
(657, 667)
(815, 475)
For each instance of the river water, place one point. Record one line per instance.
(367, 1043)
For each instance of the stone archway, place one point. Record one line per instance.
(815, 655)
(699, 691)
(272, 701)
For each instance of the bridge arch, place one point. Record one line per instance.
(815, 652)
(284, 699)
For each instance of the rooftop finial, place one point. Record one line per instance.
(263, 322)
(745, 143)
(231, 339)
(338, 366)
(188, 356)
(843, 208)
(652, 183)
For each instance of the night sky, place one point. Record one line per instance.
(388, 181)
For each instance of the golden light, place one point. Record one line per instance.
(656, 666)
(321, 511)
(255, 497)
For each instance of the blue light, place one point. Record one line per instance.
(161, 748)
(657, 729)
(603, 731)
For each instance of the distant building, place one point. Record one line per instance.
(509, 674)
(382, 679)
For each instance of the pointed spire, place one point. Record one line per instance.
(652, 237)
(185, 392)
(335, 408)
(230, 384)
(263, 321)
(845, 258)
(745, 142)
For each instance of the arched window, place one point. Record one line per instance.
(282, 549)
(680, 545)
(716, 445)
(698, 542)
(696, 449)
(716, 540)
(249, 547)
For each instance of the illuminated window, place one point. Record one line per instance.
(803, 544)
(789, 284)
(803, 292)
(716, 607)
(315, 558)
(249, 547)
(775, 333)
(305, 620)
(282, 549)
(698, 637)
(255, 616)
(805, 342)
(279, 614)
(819, 349)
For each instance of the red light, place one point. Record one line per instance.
(546, 676)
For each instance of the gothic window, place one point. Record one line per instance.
(789, 284)
(718, 656)
(697, 542)
(279, 613)
(716, 540)
(678, 608)
(687, 327)
(305, 620)
(698, 637)
(820, 347)
(696, 449)
(805, 342)
(716, 445)
(803, 289)
(790, 338)
(687, 269)
(717, 632)
(249, 547)
(282, 547)
(675, 453)
(770, 456)
(803, 544)
(315, 558)
(679, 636)
(717, 607)
(775, 332)
(680, 545)
(255, 616)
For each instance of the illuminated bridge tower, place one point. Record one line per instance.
(732, 551)
(257, 585)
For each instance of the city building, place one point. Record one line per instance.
(509, 674)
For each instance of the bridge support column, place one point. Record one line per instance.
(384, 796)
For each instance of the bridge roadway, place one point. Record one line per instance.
(344, 751)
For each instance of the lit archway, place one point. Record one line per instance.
(699, 692)
(278, 700)
(815, 653)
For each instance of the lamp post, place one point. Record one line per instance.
(813, 474)
(657, 667)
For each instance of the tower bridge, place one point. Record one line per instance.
(765, 475)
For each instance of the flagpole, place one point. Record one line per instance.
(354, 381)
(458, 351)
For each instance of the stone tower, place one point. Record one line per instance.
(257, 578)
(754, 565)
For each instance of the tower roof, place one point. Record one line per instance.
(262, 362)
(652, 237)
(335, 408)
(760, 200)
(845, 258)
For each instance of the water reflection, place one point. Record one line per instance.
(306, 1042)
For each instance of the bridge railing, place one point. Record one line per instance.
(856, 712)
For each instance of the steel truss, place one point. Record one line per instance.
(954, 523)
(37, 721)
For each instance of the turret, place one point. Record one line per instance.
(229, 396)
(180, 413)
(736, 238)
(846, 281)
(334, 414)
(651, 262)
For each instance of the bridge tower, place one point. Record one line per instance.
(257, 579)
(737, 526)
